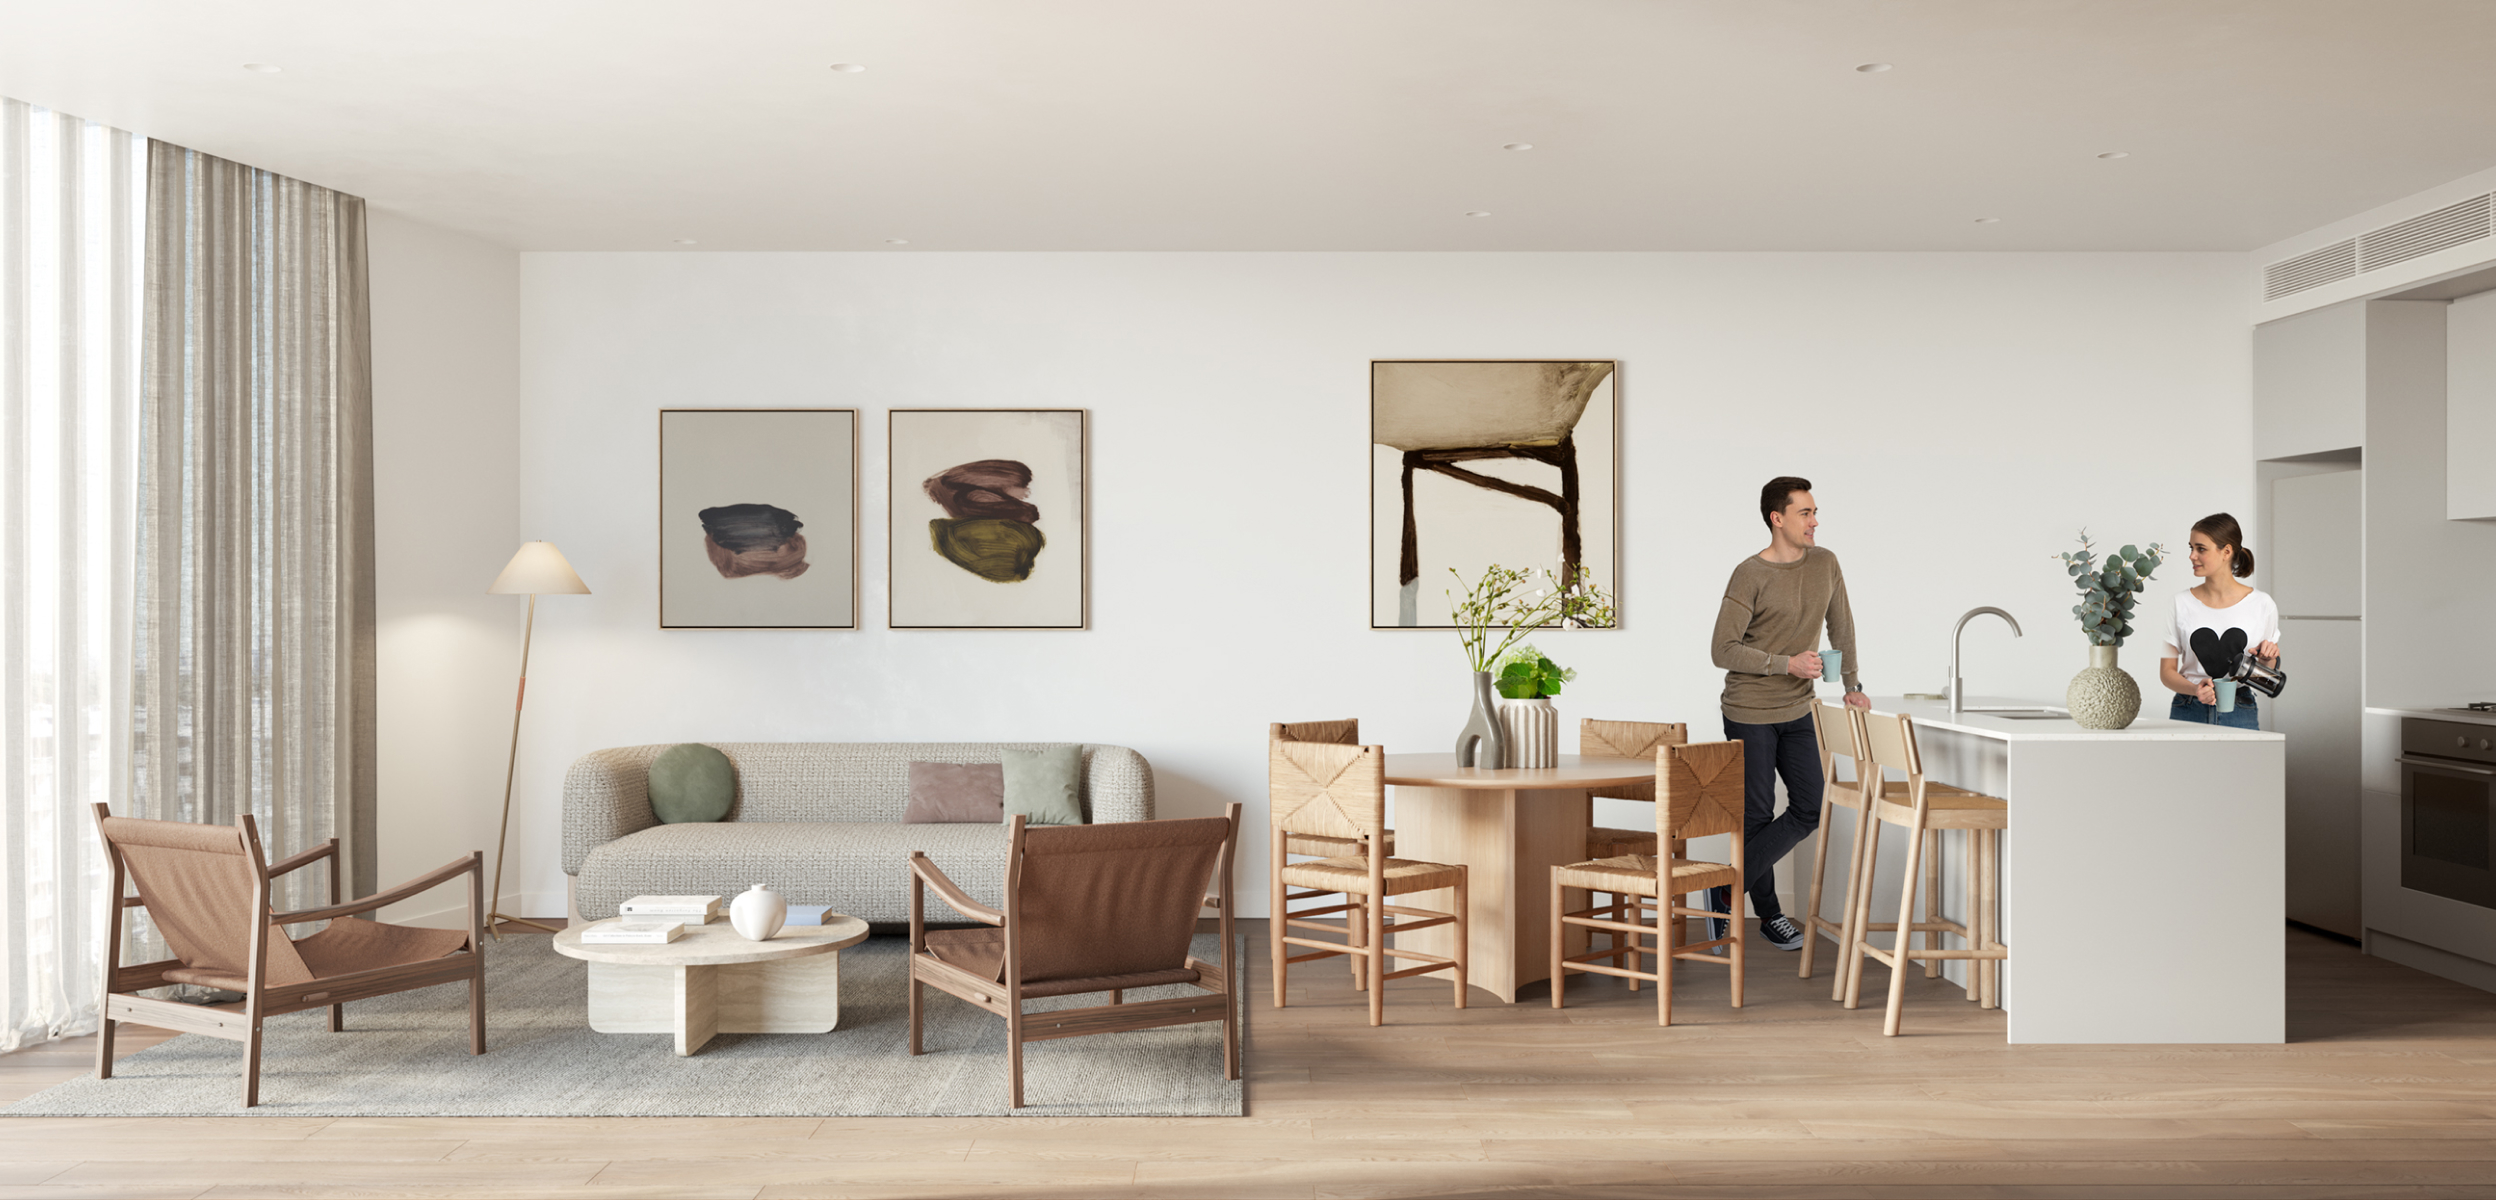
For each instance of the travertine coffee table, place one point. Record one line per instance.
(711, 981)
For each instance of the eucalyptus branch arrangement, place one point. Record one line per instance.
(2110, 587)
(1509, 601)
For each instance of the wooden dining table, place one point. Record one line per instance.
(1509, 827)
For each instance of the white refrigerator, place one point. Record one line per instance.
(2315, 545)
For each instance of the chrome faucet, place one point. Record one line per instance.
(1958, 686)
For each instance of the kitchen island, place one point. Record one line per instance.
(2143, 877)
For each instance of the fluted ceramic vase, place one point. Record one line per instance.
(1484, 741)
(1533, 732)
(2104, 696)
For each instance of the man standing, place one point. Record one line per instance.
(1766, 631)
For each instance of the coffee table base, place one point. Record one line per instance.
(695, 1003)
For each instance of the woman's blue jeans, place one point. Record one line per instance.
(2187, 708)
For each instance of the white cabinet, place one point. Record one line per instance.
(2309, 382)
(2470, 408)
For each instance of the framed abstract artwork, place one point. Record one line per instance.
(758, 518)
(988, 518)
(1476, 462)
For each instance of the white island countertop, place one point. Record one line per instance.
(2462, 715)
(1936, 714)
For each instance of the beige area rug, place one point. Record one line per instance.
(407, 1056)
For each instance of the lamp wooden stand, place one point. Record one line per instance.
(537, 569)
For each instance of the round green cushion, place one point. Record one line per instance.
(691, 782)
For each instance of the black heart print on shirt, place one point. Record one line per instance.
(2218, 653)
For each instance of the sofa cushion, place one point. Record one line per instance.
(942, 793)
(1041, 785)
(859, 869)
(691, 782)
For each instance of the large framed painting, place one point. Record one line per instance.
(758, 518)
(1475, 462)
(988, 518)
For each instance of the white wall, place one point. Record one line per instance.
(1962, 415)
(446, 461)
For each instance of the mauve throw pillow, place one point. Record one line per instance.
(955, 794)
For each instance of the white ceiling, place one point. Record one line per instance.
(1306, 124)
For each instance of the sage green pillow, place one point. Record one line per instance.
(1041, 785)
(692, 782)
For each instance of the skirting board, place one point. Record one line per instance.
(2422, 957)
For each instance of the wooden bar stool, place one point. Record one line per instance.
(1924, 811)
(1341, 792)
(1699, 794)
(1840, 733)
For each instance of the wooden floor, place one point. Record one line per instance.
(2389, 1089)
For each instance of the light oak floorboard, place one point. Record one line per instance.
(2389, 1090)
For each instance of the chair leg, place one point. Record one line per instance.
(1664, 965)
(1464, 906)
(1374, 965)
(476, 1013)
(1230, 1029)
(1932, 900)
(1117, 995)
(1559, 929)
(1014, 1054)
(251, 1064)
(1899, 945)
(1277, 928)
(1970, 853)
(1859, 912)
(1819, 878)
(1356, 932)
(1741, 944)
(1989, 907)
(918, 1001)
(104, 1048)
(337, 1018)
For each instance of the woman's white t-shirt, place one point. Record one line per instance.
(2257, 614)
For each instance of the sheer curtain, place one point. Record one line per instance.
(253, 672)
(71, 240)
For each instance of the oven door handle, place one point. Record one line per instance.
(2438, 765)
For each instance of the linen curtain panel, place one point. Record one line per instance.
(70, 244)
(253, 655)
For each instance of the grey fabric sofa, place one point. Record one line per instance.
(819, 822)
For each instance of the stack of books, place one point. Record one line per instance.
(692, 910)
(630, 932)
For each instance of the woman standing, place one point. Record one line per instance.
(2218, 603)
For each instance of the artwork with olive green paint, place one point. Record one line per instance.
(987, 519)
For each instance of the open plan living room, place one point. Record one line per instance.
(1129, 598)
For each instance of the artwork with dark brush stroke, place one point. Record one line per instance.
(754, 539)
(988, 527)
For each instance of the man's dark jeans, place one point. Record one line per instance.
(1792, 750)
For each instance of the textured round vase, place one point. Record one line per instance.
(2104, 696)
(757, 913)
(1533, 732)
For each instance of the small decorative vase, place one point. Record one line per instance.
(1533, 732)
(2104, 696)
(1484, 740)
(757, 913)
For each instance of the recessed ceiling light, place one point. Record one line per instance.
(684, 241)
(262, 68)
(1988, 220)
(1478, 213)
(896, 241)
(849, 68)
(2116, 154)
(1518, 146)
(1873, 68)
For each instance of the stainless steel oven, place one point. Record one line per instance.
(2448, 810)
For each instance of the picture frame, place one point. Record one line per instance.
(758, 518)
(1511, 461)
(989, 518)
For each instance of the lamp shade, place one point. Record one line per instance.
(538, 569)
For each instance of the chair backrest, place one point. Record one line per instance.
(1698, 790)
(1346, 732)
(1122, 899)
(1841, 736)
(1628, 739)
(204, 886)
(1327, 789)
(1890, 739)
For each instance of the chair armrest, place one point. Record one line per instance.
(328, 850)
(473, 864)
(606, 795)
(927, 870)
(1117, 784)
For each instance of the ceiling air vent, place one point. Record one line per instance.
(2446, 227)
(2311, 269)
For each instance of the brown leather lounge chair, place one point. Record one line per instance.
(207, 889)
(1088, 908)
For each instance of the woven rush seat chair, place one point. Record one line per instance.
(1924, 810)
(1346, 732)
(1624, 739)
(206, 887)
(1088, 908)
(1699, 794)
(1340, 791)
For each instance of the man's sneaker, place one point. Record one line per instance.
(1719, 899)
(1782, 933)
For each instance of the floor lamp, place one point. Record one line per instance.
(537, 569)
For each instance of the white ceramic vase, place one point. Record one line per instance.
(1533, 732)
(757, 913)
